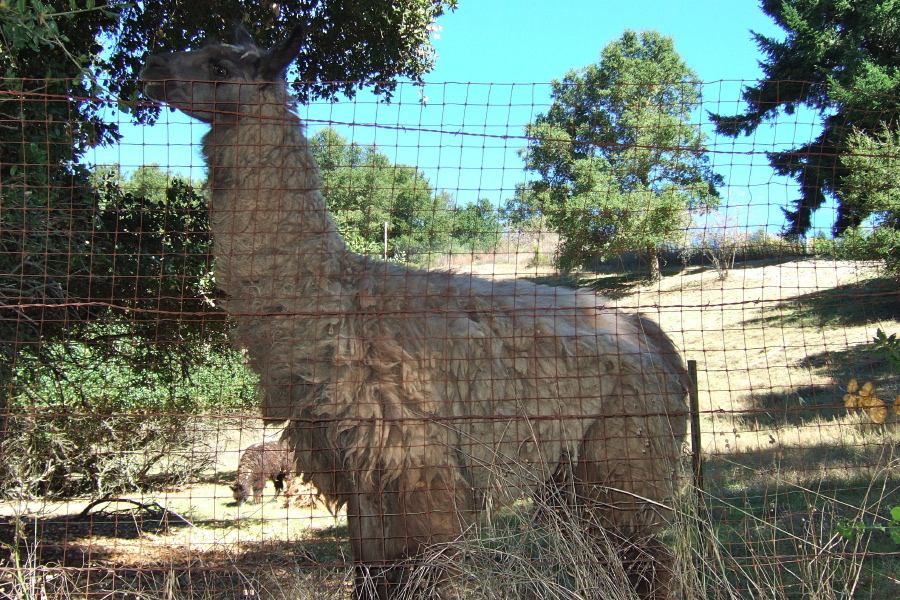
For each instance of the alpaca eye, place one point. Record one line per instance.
(220, 71)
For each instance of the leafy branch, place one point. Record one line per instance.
(849, 530)
(32, 24)
(888, 346)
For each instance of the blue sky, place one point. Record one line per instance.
(495, 59)
(527, 41)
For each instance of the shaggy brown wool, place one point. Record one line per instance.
(303, 495)
(262, 462)
(418, 399)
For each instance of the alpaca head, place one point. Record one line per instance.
(214, 83)
(239, 492)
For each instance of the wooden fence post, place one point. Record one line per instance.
(696, 448)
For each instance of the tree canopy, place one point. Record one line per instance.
(842, 60)
(74, 251)
(873, 180)
(364, 190)
(476, 226)
(619, 162)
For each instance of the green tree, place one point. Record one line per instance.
(150, 252)
(842, 60)
(88, 410)
(477, 225)
(872, 181)
(364, 190)
(72, 253)
(46, 200)
(620, 162)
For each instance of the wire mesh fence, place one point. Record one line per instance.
(212, 388)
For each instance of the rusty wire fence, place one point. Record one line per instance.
(131, 427)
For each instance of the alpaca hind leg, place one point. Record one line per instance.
(623, 480)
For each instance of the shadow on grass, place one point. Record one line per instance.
(799, 406)
(849, 471)
(771, 510)
(804, 405)
(66, 539)
(70, 540)
(869, 301)
(217, 477)
(113, 518)
(330, 532)
(618, 283)
(614, 286)
(278, 571)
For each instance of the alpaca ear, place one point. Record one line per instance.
(242, 37)
(279, 58)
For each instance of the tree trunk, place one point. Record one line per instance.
(653, 263)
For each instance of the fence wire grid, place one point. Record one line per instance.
(152, 443)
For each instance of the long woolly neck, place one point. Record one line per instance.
(268, 215)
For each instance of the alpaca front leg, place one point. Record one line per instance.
(391, 528)
(438, 507)
(258, 494)
(376, 542)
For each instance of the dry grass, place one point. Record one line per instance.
(776, 345)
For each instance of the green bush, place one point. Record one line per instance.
(879, 244)
(851, 529)
(97, 427)
(888, 346)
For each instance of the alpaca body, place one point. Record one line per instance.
(419, 399)
(259, 463)
(422, 372)
(419, 369)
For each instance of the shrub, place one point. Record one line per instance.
(106, 427)
(879, 244)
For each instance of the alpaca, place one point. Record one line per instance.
(420, 400)
(261, 462)
(300, 494)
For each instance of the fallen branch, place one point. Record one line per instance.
(153, 509)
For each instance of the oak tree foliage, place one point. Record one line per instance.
(618, 160)
(86, 260)
(364, 190)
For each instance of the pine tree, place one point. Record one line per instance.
(842, 60)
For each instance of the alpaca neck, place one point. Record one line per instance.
(267, 208)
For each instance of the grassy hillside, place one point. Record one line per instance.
(786, 464)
